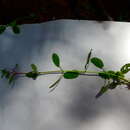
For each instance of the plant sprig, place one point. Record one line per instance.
(15, 27)
(112, 79)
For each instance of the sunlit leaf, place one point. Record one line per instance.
(32, 75)
(56, 59)
(71, 74)
(110, 74)
(104, 75)
(97, 62)
(119, 73)
(34, 67)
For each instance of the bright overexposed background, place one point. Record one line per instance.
(72, 106)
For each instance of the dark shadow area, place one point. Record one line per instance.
(84, 107)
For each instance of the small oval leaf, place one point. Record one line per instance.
(32, 75)
(97, 62)
(56, 59)
(34, 67)
(16, 29)
(2, 29)
(71, 75)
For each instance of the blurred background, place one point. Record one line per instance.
(28, 105)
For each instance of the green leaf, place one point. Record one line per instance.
(13, 23)
(56, 59)
(11, 79)
(125, 68)
(34, 67)
(71, 74)
(2, 29)
(56, 82)
(108, 74)
(5, 73)
(102, 91)
(16, 29)
(32, 75)
(113, 85)
(88, 59)
(97, 62)
(112, 75)
(104, 75)
(119, 73)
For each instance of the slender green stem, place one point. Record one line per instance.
(81, 72)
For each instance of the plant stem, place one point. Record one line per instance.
(81, 72)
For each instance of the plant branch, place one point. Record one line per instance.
(112, 78)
